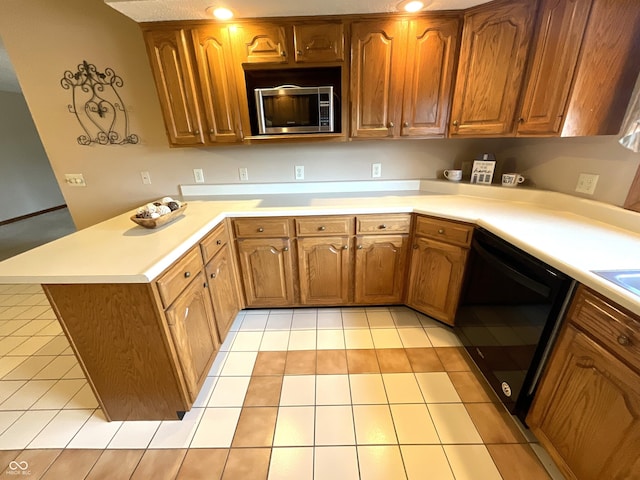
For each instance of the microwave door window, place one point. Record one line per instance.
(286, 111)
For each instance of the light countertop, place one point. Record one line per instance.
(569, 234)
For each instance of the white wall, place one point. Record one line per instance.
(45, 38)
(555, 164)
(27, 183)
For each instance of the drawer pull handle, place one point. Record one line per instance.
(415, 247)
(260, 229)
(187, 274)
(322, 228)
(213, 275)
(383, 226)
(346, 247)
(360, 247)
(623, 340)
(285, 249)
(218, 242)
(440, 231)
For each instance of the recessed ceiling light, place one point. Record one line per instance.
(413, 6)
(221, 13)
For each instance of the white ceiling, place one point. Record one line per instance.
(158, 10)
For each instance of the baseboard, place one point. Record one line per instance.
(34, 214)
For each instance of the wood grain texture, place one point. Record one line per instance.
(377, 65)
(559, 33)
(216, 84)
(318, 42)
(170, 58)
(221, 277)
(517, 462)
(119, 336)
(380, 268)
(435, 278)
(267, 271)
(324, 266)
(607, 70)
(383, 224)
(455, 233)
(214, 242)
(491, 67)
(587, 411)
(325, 225)
(429, 73)
(178, 276)
(262, 227)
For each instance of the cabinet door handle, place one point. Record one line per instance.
(391, 125)
(283, 53)
(455, 123)
(360, 247)
(260, 229)
(211, 131)
(213, 275)
(346, 247)
(285, 249)
(623, 340)
(187, 274)
(406, 124)
(299, 52)
(205, 284)
(415, 247)
(322, 228)
(218, 242)
(197, 132)
(521, 120)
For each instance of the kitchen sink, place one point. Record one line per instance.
(627, 279)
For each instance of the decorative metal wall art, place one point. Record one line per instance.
(98, 106)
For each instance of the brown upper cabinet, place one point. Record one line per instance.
(279, 43)
(607, 69)
(401, 76)
(561, 26)
(169, 53)
(493, 59)
(217, 86)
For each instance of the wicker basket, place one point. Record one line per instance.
(162, 220)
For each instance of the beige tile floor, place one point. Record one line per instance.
(369, 393)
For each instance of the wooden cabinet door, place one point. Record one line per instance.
(561, 26)
(377, 71)
(431, 55)
(587, 411)
(493, 56)
(217, 85)
(324, 264)
(191, 323)
(380, 268)
(260, 43)
(435, 278)
(267, 272)
(172, 69)
(222, 281)
(607, 70)
(318, 42)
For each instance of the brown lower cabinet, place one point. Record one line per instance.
(586, 412)
(324, 264)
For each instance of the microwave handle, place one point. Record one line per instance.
(287, 86)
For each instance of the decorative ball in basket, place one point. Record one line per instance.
(156, 214)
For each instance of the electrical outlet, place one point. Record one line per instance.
(74, 180)
(198, 175)
(244, 174)
(299, 169)
(587, 183)
(376, 170)
(146, 178)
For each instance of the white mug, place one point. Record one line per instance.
(511, 179)
(453, 175)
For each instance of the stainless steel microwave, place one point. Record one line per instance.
(294, 109)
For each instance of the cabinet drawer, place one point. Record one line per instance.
(213, 242)
(444, 230)
(608, 324)
(261, 227)
(372, 224)
(178, 276)
(330, 225)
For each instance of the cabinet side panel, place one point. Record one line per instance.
(115, 331)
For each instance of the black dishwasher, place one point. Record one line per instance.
(510, 311)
